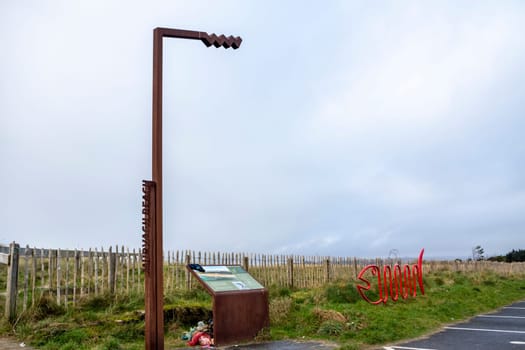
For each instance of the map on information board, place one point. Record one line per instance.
(226, 278)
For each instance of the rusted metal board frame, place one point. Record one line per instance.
(154, 282)
(238, 315)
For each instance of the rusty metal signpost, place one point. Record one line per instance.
(152, 190)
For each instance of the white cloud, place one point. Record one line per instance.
(425, 71)
(322, 244)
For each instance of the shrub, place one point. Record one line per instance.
(355, 320)
(46, 306)
(75, 336)
(340, 293)
(111, 344)
(331, 328)
(439, 281)
(187, 315)
(277, 292)
(96, 303)
(302, 296)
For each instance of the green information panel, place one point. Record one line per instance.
(226, 278)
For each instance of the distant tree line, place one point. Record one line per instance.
(512, 256)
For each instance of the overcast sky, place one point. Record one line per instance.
(339, 128)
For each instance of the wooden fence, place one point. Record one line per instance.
(68, 275)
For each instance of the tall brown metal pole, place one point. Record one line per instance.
(155, 330)
(154, 302)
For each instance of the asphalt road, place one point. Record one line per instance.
(286, 345)
(280, 345)
(501, 330)
(277, 345)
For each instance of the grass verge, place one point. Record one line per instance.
(335, 312)
(338, 313)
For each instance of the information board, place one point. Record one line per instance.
(226, 278)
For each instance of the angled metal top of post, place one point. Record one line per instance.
(207, 39)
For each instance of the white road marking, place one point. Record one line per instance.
(497, 316)
(475, 329)
(403, 348)
(485, 330)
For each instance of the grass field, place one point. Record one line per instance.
(334, 312)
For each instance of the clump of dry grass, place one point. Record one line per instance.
(328, 315)
(280, 309)
(332, 323)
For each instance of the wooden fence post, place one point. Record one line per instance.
(42, 272)
(26, 277)
(76, 266)
(97, 289)
(141, 286)
(90, 281)
(104, 264)
(82, 274)
(327, 262)
(50, 269)
(290, 272)
(127, 269)
(59, 275)
(303, 273)
(245, 263)
(133, 267)
(188, 275)
(33, 282)
(177, 269)
(112, 270)
(12, 282)
(66, 280)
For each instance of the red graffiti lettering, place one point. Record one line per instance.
(404, 282)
